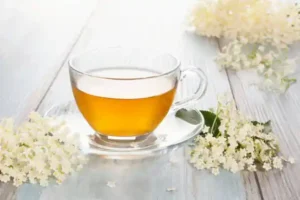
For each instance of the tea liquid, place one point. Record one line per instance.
(124, 107)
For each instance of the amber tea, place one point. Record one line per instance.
(124, 107)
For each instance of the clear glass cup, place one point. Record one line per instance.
(124, 94)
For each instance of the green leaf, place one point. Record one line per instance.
(190, 116)
(212, 121)
(267, 125)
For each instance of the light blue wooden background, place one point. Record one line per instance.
(36, 40)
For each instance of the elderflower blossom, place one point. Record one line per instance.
(271, 65)
(239, 145)
(260, 21)
(37, 150)
(252, 24)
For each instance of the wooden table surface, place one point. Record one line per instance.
(38, 37)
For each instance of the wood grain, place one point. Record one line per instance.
(284, 111)
(35, 37)
(145, 24)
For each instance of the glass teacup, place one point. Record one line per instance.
(124, 94)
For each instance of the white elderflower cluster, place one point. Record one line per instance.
(270, 26)
(260, 21)
(271, 65)
(38, 150)
(240, 144)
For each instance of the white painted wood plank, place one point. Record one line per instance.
(146, 24)
(35, 38)
(284, 111)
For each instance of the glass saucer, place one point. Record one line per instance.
(169, 135)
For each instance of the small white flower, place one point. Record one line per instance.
(221, 159)
(215, 171)
(291, 160)
(4, 178)
(222, 128)
(267, 166)
(205, 129)
(44, 182)
(252, 168)
(209, 137)
(111, 184)
(199, 164)
(232, 141)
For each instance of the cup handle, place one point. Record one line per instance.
(188, 101)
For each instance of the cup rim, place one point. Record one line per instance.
(73, 67)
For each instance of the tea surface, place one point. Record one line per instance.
(124, 107)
